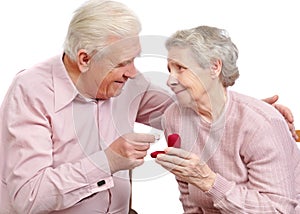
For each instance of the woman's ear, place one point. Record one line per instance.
(216, 68)
(83, 60)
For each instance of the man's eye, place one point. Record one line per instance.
(122, 64)
(181, 68)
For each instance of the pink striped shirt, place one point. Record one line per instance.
(52, 142)
(252, 151)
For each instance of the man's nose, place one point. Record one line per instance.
(130, 71)
(172, 81)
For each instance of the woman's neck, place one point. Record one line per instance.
(211, 105)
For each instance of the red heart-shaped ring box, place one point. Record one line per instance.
(174, 140)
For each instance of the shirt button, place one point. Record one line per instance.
(100, 183)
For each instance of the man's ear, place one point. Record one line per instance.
(83, 60)
(215, 68)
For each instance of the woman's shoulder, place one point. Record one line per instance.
(245, 105)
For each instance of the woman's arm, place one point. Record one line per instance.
(271, 183)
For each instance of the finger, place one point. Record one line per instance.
(295, 136)
(140, 146)
(178, 161)
(165, 164)
(271, 100)
(286, 112)
(178, 152)
(140, 137)
(140, 154)
(173, 168)
(293, 130)
(136, 155)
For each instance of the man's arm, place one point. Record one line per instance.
(33, 183)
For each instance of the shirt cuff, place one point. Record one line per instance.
(220, 188)
(98, 172)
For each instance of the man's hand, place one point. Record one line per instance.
(285, 111)
(271, 100)
(128, 151)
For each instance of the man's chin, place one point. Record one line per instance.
(117, 93)
(109, 95)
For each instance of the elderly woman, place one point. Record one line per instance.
(237, 154)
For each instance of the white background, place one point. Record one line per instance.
(266, 33)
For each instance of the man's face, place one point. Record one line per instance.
(109, 72)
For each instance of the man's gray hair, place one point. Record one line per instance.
(96, 22)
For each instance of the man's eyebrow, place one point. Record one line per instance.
(125, 62)
(131, 59)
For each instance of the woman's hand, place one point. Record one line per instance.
(188, 167)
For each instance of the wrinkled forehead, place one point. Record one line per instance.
(128, 47)
(180, 55)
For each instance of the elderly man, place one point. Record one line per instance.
(66, 130)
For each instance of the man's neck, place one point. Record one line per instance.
(72, 68)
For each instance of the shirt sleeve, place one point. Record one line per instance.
(153, 104)
(33, 184)
(271, 182)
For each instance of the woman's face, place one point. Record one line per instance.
(187, 79)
